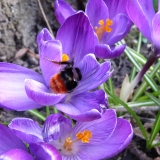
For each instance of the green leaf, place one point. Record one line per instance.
(139, 123)
(37, 114)
(155, 4)
(146, 97)
(144, 85)
(156, 125)
(138, 104)
(155, 130)
(156, 100)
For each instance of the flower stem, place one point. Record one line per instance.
(144, 85)
(140, 75)
(47, 111)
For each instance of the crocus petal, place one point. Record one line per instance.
(84, 106)
(16, 154)
(80, 39)
(93, 73)
(43, 36)
(120, 28)
(49, 50)
(141, 13)
(101, 129)
(96, 10)
(40, 93)
(104, 51)
(26, 129)
(9, 141)
(12, 89)
(120, 138)
(63, 10)
(52, 127)
(44, 151)
(116, 7)
(156, 30)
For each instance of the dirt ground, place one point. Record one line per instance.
(20, 22)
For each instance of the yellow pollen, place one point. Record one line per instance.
(68, 144)
(65, 57)
(104, 27)
(84, 136)
(101, 22)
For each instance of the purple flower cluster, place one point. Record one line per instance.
(108, 19)
(57, 139)
(23, 89)
(70, 77)
(12, 148)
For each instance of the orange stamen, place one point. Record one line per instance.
(84, 136)
(104, 27)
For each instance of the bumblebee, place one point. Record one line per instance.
(67, 79)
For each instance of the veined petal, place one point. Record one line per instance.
(9, 141)
(104, 51)
(118, 140)
(101, 129)
(156, 30)
(120, 28)
(96, 10)
(116, 7)
(84, 106)
(44, 151)
(52, 127)
(88, 66)
(27, 130)
(16, 154)
(141, 13)
(93, 73)
(43, 36)
(63, 10)
(12, 87)
(49, 50)
(41, 94)
(80, 39)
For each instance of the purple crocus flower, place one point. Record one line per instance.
(142, 13)
(76, 39)
(109, 20)
(12, 148)
(102, 138)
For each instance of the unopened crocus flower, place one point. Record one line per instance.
(102, 138)
(142, 13)
(75, 44)
(12, 148)
(109, 20)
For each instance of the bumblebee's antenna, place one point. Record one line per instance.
(56, 62)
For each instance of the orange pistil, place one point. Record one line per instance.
(104, 27)
(68, 144)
